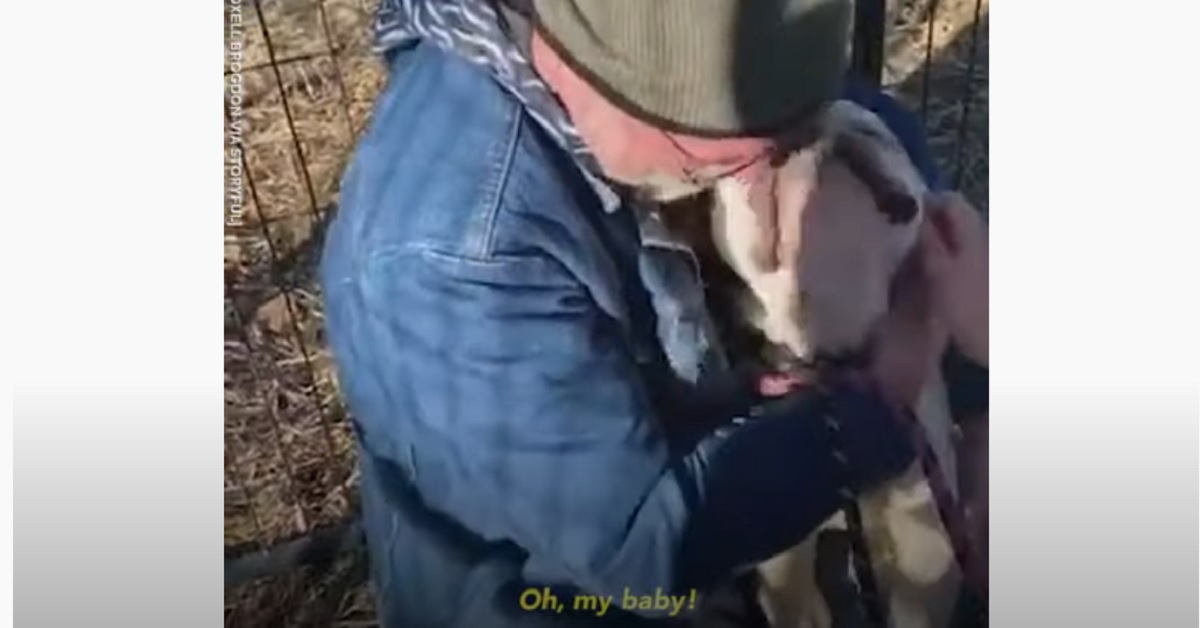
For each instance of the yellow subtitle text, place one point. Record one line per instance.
(535, 599)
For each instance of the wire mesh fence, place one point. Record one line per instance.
(306, 80)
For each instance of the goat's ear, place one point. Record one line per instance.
(865, 145)
(860, 156)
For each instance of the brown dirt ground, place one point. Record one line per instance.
(288, 456)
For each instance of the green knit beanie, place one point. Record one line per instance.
(715, 68)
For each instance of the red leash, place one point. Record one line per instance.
(949, 510)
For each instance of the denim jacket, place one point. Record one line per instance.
(510, 343)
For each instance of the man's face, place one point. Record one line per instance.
(662, 165)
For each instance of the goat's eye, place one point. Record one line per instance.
(898, 207)
(778, 157)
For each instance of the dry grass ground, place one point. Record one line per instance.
(288, 456)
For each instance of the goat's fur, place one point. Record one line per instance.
(827, 300)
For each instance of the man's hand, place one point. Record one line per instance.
(907, 346)
(955, 245)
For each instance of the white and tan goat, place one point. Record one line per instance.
(826, 301)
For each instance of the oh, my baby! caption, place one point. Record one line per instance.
(542, 599)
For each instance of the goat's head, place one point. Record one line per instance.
(859, 217)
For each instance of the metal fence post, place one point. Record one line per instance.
(869, 23)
